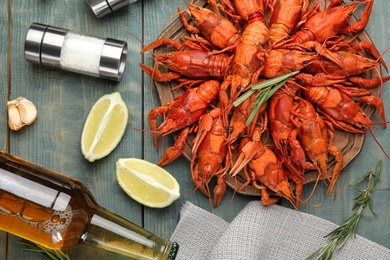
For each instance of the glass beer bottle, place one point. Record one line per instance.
(60, 212)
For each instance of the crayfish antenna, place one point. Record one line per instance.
(380, 146)
(312, 192)
(336, 195)
(168, 20)
(193, 191)
(234, 194)
(380, 59)
(294, 206)
(141, 130)
(209, 196)
(130, 33)
(243, 185)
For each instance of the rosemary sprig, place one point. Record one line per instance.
(340, 236)
(268, 88)
(45, 252)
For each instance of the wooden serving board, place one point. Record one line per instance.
(349, 144)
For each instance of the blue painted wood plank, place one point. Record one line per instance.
(3, 96)
(64, 99)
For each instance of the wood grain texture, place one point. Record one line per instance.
(4, 73)
(63, 100)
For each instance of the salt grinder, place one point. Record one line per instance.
(103, 7)
(61, 48)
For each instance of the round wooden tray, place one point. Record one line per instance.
(349, 144)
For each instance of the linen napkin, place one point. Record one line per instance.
(260, 232)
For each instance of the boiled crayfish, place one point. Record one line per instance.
(209, 154)
(181, 113)
(264, 167)
(339, 108)
(231, 48)
(316, 140)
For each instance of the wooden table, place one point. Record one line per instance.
(63, 100)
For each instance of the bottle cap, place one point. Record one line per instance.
(113, 59)
(173, 252)
(43, 44)
(103, 7)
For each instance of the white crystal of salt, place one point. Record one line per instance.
(81, 54)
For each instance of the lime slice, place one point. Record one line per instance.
(105, 125)
(147, 183)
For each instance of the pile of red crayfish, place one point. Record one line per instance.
(232, 51)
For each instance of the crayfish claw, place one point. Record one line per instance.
(173, 152)
(152, 118)
(157, 75)
(337, 168)
(219, 190)
(266, 199)
(199, 181)
(160, 42)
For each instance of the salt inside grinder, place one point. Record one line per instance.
(61, 48)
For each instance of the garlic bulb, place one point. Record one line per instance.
(21, 112)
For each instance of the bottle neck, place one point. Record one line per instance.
(115, 234)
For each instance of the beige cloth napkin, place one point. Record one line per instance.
(259, 232)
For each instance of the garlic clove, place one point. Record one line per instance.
(27, 110)
(21, 112)
(14, 121)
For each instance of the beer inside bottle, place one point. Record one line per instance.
(60, 212)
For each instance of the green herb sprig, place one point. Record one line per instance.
(268, 88)
(45, 252)
(340, 236)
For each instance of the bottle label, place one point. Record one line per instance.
(34, 204)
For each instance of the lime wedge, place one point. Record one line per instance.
(147, 183)
(104, 127)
